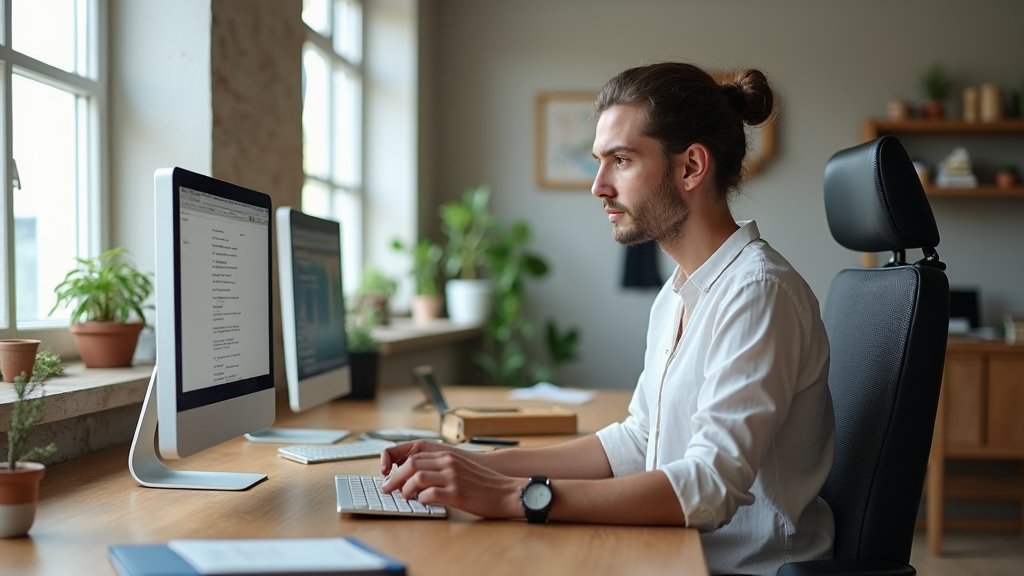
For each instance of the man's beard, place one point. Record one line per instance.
(660, 216)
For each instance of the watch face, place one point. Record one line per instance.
(537, 496)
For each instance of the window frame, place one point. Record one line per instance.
(93, 157)
(355, 191)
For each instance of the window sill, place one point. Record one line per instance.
(405, 335)
(81, 391)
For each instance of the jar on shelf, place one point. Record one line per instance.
(970, 104)
(990, 107)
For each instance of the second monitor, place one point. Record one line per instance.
(316, 359)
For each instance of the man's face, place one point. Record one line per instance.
(635, 181)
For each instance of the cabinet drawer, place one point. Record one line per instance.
(963, 388)
(1006, 404)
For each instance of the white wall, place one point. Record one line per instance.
(833, 65)
(160, 105)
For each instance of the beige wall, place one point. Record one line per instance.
(833, 64)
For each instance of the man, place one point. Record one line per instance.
(730, 429)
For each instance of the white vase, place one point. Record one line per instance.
(469, 301)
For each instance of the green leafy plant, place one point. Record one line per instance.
(936, 82)
(508, 358)
(426, 263)
(28, 409)
(359, 324)
(107, 287)
(377, 283)
(467, 223)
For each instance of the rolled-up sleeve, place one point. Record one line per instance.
(625, 443)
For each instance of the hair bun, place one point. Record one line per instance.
(751, 96)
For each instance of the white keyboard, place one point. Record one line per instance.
(329, 453)
(362, 495)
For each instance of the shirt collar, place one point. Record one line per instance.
(705, 276)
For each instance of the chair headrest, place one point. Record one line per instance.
(874, 200)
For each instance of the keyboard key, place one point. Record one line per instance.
(362, 495)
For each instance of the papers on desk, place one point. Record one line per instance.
(223, 557)
(551, 393)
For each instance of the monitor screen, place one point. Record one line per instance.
(214, 316)
(312, 308)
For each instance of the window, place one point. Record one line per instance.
(54, 98)
(332, 121)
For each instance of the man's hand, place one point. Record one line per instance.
(398, 454)
(437, 474)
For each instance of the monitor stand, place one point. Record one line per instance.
(297, 435)
(148, 469)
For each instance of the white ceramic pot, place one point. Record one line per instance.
(469, 301)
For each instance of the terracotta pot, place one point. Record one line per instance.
(426, 308)
(1005, 179)
(106, 344)
(934, 109)
(19, 496)
(17, 355)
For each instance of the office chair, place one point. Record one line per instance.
(887, 330)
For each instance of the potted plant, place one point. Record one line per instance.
(426, 262)
(20, 475)
(467, 223)
(375, 291)
(363, 352)
(1006, 176)
(106, 294)
(17, 356)
(937, 85)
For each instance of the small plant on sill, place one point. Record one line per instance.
(30, 400)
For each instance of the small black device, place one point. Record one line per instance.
(537, 498)
(493, 441)
(424, 375)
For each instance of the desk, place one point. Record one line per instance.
(92, 501)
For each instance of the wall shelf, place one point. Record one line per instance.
(875, 127)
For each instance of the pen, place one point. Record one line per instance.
(493, 441)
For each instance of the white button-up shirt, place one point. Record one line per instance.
(737, 413)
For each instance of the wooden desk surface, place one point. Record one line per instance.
(92, 502)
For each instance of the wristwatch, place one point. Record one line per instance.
(536, 498)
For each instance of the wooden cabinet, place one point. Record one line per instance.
(979, 418)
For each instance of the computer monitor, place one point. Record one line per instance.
(316, 358)
(213, 379)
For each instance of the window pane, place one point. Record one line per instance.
(315, 118)
(45, 31)
(348, 210)
(316, 199)
(45, 206)
(348, 30)
(347, 128)
(315, 15)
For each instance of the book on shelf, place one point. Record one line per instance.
(956, 181)
(277, 556)
(1014, 329)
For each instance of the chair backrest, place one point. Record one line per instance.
(887, 329)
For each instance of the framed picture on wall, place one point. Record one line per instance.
(565, 124)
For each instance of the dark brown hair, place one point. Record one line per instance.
(682, 104)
